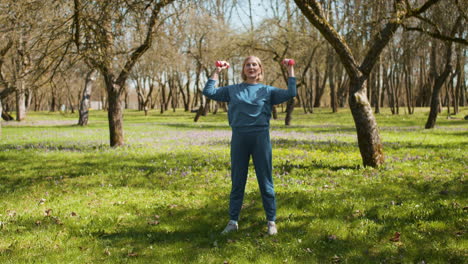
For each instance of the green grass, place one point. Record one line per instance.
(163, 197)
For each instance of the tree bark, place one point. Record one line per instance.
(115, 117)
(274, 112)
(378, 92)
(289, 110)
(20, 100)
(369, 141)
(439, 81)
(319, 86)
(201, 109)
(331, 82)
(1, 114)
(85, 102)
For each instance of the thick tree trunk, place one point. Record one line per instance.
(86, 98)
(289, 111)
(20, 100)
(115, 116)
(1, 114)
(201, 108)
(439, 81)
(274, 112)
(319, 86)
(369, 141)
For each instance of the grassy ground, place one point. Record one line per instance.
(66, 197)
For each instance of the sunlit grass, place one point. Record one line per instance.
(67, 197)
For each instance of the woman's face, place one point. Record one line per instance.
(252, 69)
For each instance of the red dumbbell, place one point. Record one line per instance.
(288, 62)
(222, 64)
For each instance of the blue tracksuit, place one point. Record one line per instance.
(249, 116)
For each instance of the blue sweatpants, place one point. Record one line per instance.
(243, 145)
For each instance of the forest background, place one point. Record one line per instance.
(71, 71)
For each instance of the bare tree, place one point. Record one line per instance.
(368, 136)
(100, 37)
(440, 78)
(85, 102)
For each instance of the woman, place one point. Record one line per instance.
(250, 105)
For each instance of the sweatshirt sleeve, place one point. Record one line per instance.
(279, 96)
(219, 94)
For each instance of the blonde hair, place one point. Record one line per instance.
(259, 62)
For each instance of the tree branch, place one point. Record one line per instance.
(7, 87)
(143, 47)
(314, 13)
(438, 35)
(422, 9)
(382, 38)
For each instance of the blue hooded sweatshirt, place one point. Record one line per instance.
(250, 105)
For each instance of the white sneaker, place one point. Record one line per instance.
(272, 228)
(231, 226)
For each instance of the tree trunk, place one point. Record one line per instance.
(289, 111)
(439, 81)
(369, 141)
(200, 110)
(331, 82)
(274, 112)
(86, 98)
(115, 117)
(408, 87)
(20, 100)
(163, 97)
(1, 114)
(378, 92)
(319, 86)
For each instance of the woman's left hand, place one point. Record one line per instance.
(289, 63)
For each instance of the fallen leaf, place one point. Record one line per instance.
(156, 217)
(336, 259)
(155, 222)
(38, 223)
(73, 214)
(107, 252)
(57, 220)
(41, 201)
(396, 237)
(132, 254)
(11, 213)
(48, 212)
(444, 192)
(332, 237)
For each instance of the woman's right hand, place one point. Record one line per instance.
(220, 65)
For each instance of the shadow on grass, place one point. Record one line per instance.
(188, 234)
